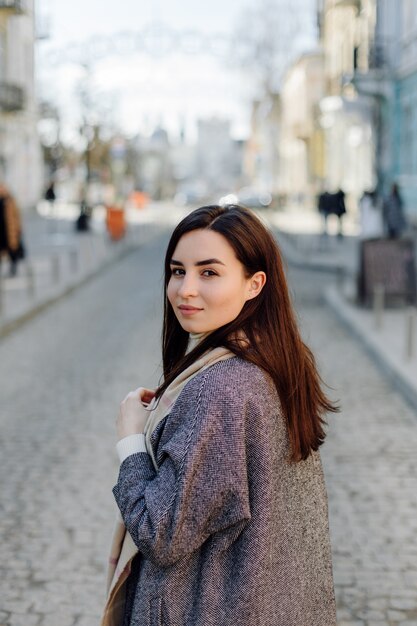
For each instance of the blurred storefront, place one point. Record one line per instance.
(20, 154)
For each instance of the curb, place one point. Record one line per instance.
(298, 260)
(19, 320)
(32, 312)
(384, 361)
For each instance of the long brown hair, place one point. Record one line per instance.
(268, 321)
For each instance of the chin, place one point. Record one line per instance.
(193, 328)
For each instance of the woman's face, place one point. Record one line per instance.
(208, 286)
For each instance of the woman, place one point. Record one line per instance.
(221, 486)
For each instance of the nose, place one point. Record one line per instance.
(188, 286)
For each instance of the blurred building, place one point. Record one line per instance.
(390, 79)
(153, 170)
(346, 114)
(20, 154)
(375, 79)
(301, 145)
(261, 166)
(218, 156)
(401, 64)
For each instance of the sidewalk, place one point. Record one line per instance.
(386, 339)
(59, 259)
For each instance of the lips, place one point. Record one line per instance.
(186, 309)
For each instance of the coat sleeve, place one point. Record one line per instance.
(201, 487)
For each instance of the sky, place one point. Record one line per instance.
(139, 91)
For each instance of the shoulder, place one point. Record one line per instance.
(227, 400)
(232, 380)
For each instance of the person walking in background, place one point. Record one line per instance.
(394, 218)
(221, 491)
(324, 208)
(10, 230)
(332, 204)
(339, 209)
(50, 193)
(50, 197)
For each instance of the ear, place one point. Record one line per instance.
(255, 285)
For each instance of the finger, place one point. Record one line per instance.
(148, 395)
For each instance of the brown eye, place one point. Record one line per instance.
(177, 271)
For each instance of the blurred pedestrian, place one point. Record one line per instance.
(324, 208)
(339, 209)
(11, 243)
(394, 218)
(221, 487)
(50, 192)
(371, 215)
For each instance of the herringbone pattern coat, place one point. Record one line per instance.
(229, 532)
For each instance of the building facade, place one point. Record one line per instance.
(20, 154)
(261, 159)
(218, 155)
(391, 81)
(302, 142)
(346, 114)
(403, 110)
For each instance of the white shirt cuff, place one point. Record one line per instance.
(130, 445)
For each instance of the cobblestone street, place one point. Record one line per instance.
(62, 377)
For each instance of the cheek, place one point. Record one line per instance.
(229, 300)
(171, 291)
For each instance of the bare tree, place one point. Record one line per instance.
(268, 35)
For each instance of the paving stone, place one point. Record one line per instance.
(87, 621)
(411, 577)
(344, 615)
(23, 620)
(378, 603)
(53, 619)
(396, 616)
(371, 615)
(407, 604)
(16, 606)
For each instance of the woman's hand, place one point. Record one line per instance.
(133, 413)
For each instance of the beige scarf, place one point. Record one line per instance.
(123, 549)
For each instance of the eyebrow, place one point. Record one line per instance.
(199, 263)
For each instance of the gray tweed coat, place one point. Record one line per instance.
(228, 531)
